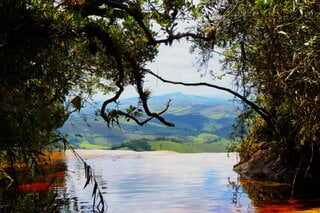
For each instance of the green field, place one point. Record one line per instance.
(201, 125)
(167, 145)
(87, 145)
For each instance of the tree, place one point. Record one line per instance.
(54, 54)
(54, 50)
(272, 48)
(33, 82)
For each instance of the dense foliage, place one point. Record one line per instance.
(54, 50)
(54, 53)
(34, 80)
(272, 47)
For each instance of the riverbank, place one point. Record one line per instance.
(97, 153)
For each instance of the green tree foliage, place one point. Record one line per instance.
(272, 47)
(51, 50)
(33, 81)
(136, 145)
(55, 53)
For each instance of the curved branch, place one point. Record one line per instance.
(92, 30)
(179, 36)
(143, 96)
(141, 123)
(262, 112)
(136, 13)
(134, 10)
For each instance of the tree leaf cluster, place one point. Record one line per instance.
(55, 54)
(272, 48)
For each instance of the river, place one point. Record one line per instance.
(160, 182)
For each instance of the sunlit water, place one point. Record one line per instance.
(159, 182)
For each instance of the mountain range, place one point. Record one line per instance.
(202, 124)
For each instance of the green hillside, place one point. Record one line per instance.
(169, 145)
(201, 125)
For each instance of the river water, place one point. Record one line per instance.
(158, 182)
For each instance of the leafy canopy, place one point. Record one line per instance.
(51, 50)
(272, 48)
(55, 53)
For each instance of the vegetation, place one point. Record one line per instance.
(272, 47)
(54, 54)
(163, 144)
(136, 145)
(33, 84)
(87, 145)
(193, 124)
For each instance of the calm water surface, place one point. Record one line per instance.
(159, 182)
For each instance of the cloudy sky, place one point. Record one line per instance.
(176, 63)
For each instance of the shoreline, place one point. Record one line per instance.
(98, 153)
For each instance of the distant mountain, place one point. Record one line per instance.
(179, 100)
(194, 117)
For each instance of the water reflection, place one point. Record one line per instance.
(34, 193)
(160, 182)
(150, 182)
(275, 197)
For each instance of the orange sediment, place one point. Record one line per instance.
(37, 186)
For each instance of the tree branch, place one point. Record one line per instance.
(146, 120)
(262, 112)
(93, 30)
(182, 35)
(134, 10)
(138, 75)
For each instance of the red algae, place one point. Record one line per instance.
(277, 208)
(49, 182)
(49, 161)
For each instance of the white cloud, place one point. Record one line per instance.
(176, 63)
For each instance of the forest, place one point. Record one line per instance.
(56, 54)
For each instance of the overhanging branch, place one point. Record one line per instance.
(138, 74)
(111, 116)
(262, 112)
(134, 10)
(146, 120)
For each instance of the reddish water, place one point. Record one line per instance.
(52, 177)
(159, 182)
